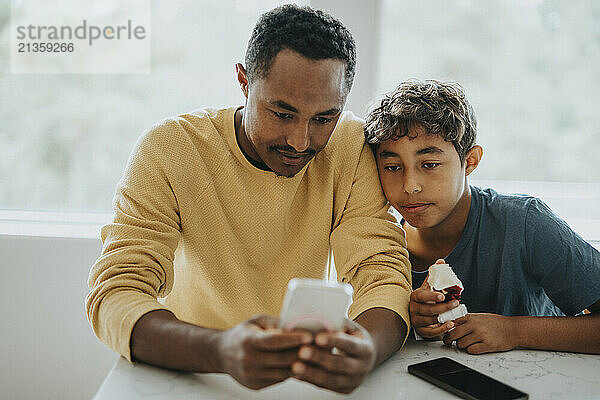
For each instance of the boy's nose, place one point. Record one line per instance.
(411, 185)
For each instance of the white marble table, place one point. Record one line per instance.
(544, 375)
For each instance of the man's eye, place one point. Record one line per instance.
(283, 115)
(430, 165)
(392, 168)
(323, 120)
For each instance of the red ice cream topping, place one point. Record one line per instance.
(452, 293)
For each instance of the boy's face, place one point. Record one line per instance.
(422, 176)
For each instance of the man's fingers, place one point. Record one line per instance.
(329, 361)
(323, 378)
(352, 345)
(277, 359)
(276, 340)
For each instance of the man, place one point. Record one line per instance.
(218, 209)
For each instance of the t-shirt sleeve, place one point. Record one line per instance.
(136, 263)
(369, 246)
(565, 265)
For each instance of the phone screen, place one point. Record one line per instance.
(464, 381)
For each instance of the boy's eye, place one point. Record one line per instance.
(322, 120)
(430, 165)
(282, 115)
(392, 168)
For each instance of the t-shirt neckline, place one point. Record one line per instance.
(472, 218)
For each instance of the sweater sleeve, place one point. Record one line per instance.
(369, 246)
(136, 263)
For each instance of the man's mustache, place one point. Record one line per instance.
(291, 150)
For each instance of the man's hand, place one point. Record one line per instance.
(338, 361)
(257, 354)
(425, 306)
(483, 333)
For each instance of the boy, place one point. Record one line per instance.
(523, 268)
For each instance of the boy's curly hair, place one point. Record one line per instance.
(440, 107)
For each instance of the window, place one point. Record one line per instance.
(529, 67)
(65, 138)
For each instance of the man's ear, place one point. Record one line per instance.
(473, 158)
(242, 78)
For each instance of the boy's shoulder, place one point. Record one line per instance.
(521, 213)
(501, 203)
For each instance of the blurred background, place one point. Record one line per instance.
(531, 69)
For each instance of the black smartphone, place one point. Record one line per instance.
(464, 381)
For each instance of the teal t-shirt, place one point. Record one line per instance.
(516, 257)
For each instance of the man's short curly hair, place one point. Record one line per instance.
(440, 107)
(309, 32)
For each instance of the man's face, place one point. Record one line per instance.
(291, 113)
(422, 176)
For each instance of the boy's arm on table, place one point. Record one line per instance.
(484, 333)
(579, 334)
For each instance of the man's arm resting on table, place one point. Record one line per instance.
(253, 352)
(387, 329)
(160, 339)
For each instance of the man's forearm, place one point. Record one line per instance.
(579, 334)
(160, 339)
(387, 329)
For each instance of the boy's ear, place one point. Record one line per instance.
(242, 78)
(473, 158)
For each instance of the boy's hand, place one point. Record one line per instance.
(338, 361)
(257, 354)
(425, 306)
(483, 333)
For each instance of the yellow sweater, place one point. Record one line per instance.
(198, 225)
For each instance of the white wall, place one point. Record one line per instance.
(48, 348)
(362, 20)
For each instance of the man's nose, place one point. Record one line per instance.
(299, 137)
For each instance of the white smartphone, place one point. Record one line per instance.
(315, 305)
